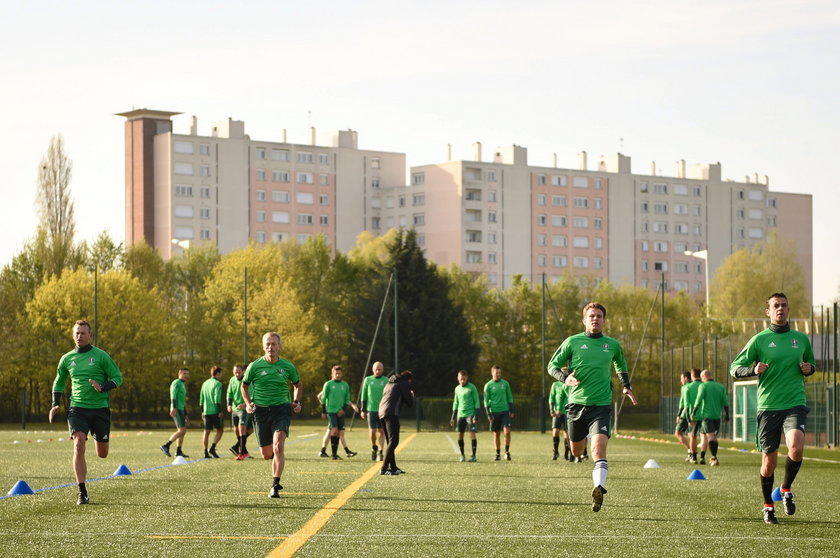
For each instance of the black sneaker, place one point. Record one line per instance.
(323, 453)
(373, 455)
(184, 455)
(598, 497)
(165, 449)
(388, 473)
(83, 499)
(498, 457)
(702, 461)
(555, 456)
(275, 491)
(398, 471)
(507, 456)
(214, 454)
(206, 454)
(234, 450)
(335, 457)
(350, 453)
(770, 516)
(787, 502)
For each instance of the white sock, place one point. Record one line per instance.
(599, 473)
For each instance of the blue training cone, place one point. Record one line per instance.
(20, 488)
(777, 494)
(696, 475)
(121, 471)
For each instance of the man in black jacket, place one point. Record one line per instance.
(397, 391)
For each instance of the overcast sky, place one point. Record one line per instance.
(751, 84)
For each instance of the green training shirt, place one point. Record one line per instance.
(497, 396)
(335, 395)
(466, 400)
(89, 363)
(210, 397)
(591, 358)
(684, 404)
(178, 394)
(372, 389)
(690, 396)
(558, 397)
(782, 385)
(711, 399)
(234, 393)
(270, 382)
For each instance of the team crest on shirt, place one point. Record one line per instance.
(606, 347)
(91, 361)
(794, 344)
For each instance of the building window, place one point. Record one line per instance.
(581, 222)
(660, 266)
(324, 199)
(418, 178)
(559, 241)
(681, 267)
(581, 203)
(305, 178)
(184, 169)
(659, 227)
(558, 180)
(491, 216)
(374, 183)
(204, 170)
(491, 195)
(660, 188)
(204, 234)
(204, 213)
(697, 191)
(771, 202)
(680, 190)
(324, 159)
(661, 208)
(644, 227)
(184, 211)
(278, 236)
(643, 207)
(204, 192)
(771, 221)
(558, 201)
(541, 220)
(541, 199)
(660, 246)
(325, 179)
(306, 198)
(680, 209)
(473, 236)
(599, 203)
(374, 222)
(740, 194)
(260, 216)
(491, 237)
(541, 240)
(304, 157)
(375, 163)
(558, 221)
(643, 187)
(580, 242)
(260, 174)
(541, 179)
(681, 228)
(644, 246)
(279, 196)
(581, 261)
(419, 219)
(541, 260)
(491, 176)
(472, 216)
(260, 152)
(279, 154)
(421, 239)
(756, 195)
(599, 242)
(279, 176)
(756, 214)
(756, 233)
(418, 199)
(680, 247)
(279, 216)
(559, 261)
(680, 285)
(325, 220)
(301, 238)
(698, 229)
(183, 147)
(376, 203)
(697, 211)
(491, 257)
(580, 182)
(304, 219)
(401, 201)
(598, 223)
(644, 265)
(260, 237)
(599, 263)
(599, 183)
(473, 257)
(260, 195)
(204, 149)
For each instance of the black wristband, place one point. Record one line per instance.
(107, 386)
(56, 398)
(625, 380)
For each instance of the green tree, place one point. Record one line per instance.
(104, 253)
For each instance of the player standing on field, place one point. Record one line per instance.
(557, 399)
(682, 421)
(591, 355)
(780, 357)
(465, 408)
(242, 420)
(335, 396)
(372, 389)
(210, 401)
(267, 379)
(711, 399)
(498, 401)
(178, 412)
(92, 375)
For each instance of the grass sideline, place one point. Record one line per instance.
(526, 507)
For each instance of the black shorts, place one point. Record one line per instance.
(771, 424)
(695, 427)
(241, 416)
(558, 422)
(180, 418)
(465, 424)
(710, 426)
(373, 420)
(94, 421)
(588, 419)
(335, 421)
(212, 422)
(271, 419)
(499, 421)
(682, 426)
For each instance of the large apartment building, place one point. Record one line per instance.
(500, 217)
(228, 189)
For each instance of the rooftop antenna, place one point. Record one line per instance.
(621, 145)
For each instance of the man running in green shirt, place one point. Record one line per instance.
(265, 390)
(92, 375)
(557, 400)
(694, 425)
(682, 420)
(178, 412)
(591, 355)
(371, 395)
(780, 357)
(465, 408)
(210, 400)
(498, 400)
(335, 396)
(242, 421)
(711, 398)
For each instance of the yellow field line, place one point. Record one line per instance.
(301, 493)
(210, 537)
(292, 544)
(327, 473)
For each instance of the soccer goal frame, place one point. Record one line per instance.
(744, 407)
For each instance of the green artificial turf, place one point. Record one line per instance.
(530, 506)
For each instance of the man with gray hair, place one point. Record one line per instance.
(265, 391)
